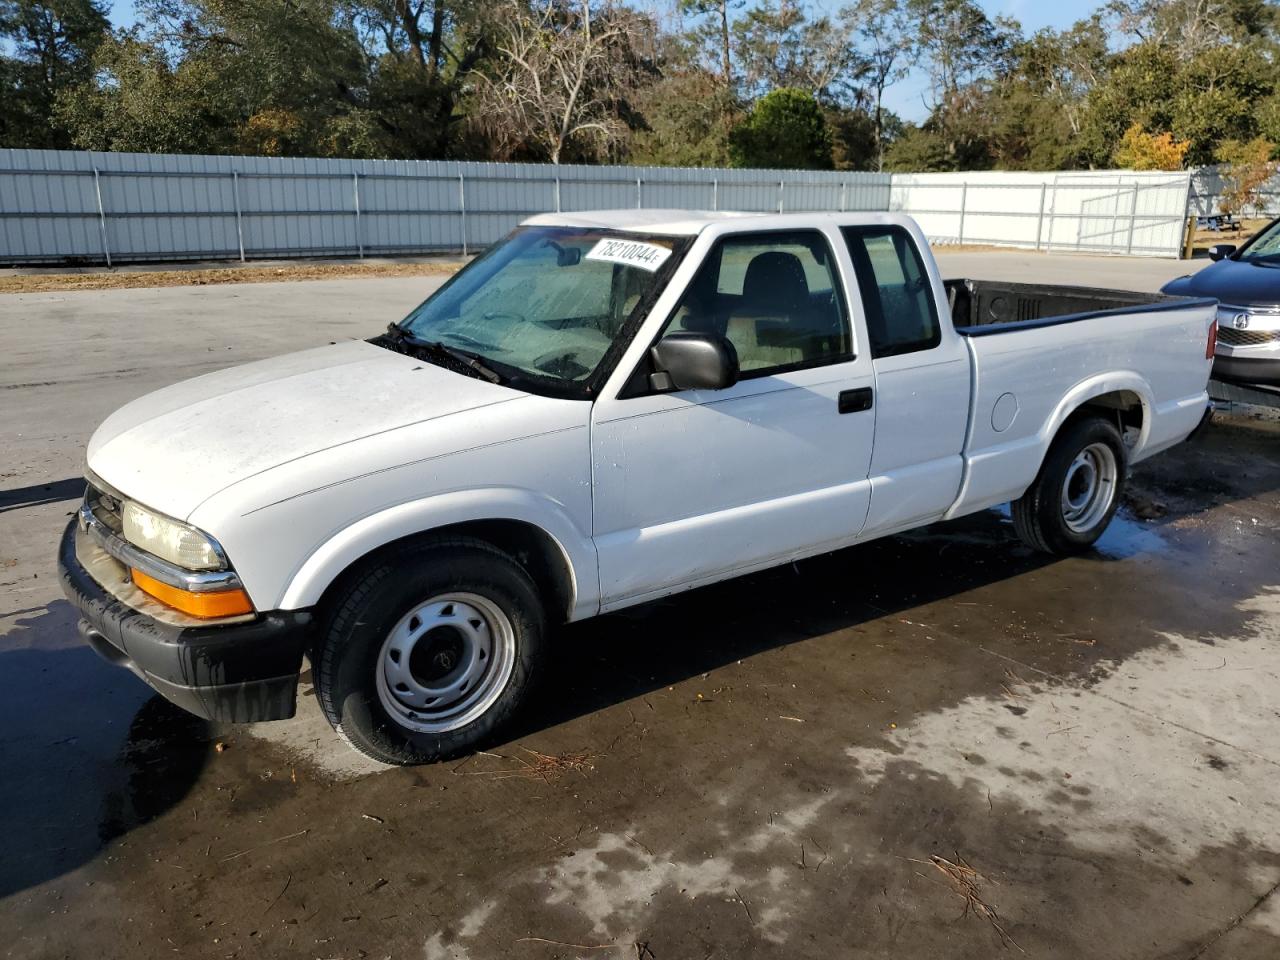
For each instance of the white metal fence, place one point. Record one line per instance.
(1088, 212)
(77, 207)
(64, 205)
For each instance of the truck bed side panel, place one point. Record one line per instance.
(1027, 381)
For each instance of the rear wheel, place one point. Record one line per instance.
(429, 651)
(1077, 490)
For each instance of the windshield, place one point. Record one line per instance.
(1264, 248)
(546, 302)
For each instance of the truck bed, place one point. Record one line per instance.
(979, 306)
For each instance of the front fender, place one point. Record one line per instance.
(348, 545)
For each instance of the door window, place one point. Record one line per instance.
(775, 297)
(896, 293)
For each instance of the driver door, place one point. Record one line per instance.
(695, 486)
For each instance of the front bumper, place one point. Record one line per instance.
(242, 671)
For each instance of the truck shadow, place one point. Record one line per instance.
(88, 752)
(56, 491)
(1002, 594)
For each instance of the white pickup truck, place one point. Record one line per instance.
(602, 409)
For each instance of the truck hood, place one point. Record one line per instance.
(173, 449)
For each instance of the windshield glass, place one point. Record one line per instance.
(1265, 247)
(547, 301)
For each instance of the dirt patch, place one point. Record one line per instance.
(1204, 239)
(58, 282)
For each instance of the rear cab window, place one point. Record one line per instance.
(897, 295)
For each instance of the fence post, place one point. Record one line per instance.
(102, 216)
(557, 193)
(844, 189)
(1189, 219)
(235, 190)
(638, 203)
(1040, 217)
(355, 194)
(782, 186)
(1053, 209)
(1133, 219)
(715, 193)
(964, 200)
(462, 209)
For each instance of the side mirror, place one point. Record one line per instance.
(1220, 251)
(693, 361)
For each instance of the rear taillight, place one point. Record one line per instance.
(1212, 345)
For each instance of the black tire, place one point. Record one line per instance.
(1039, 516)
(377, 598)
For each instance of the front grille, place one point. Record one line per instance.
(105, 507)
(1247, 338)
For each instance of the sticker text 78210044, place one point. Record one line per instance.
(632, 253)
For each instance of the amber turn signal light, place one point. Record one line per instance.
(223, 603)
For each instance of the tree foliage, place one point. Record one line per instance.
(51, 47)
(1139, 150)
(785, 128)
(1245, 170)
(711, 82)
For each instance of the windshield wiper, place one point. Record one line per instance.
(469, 360)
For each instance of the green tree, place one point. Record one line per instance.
(687, 118)
(1246, 169)
(855, 141)
(712, 31)
(918, 149)
(143, 103)
(1210, 97)
(964, 51)
(786, 129)
(780, 46)
(46, 46)
(883, 33)
(1037, 106)
(363, 78)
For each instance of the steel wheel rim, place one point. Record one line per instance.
(1089, 487)
(445, 662)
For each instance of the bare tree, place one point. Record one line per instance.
(717, 11)
(1190, 27)
(885, 38)
(560, 79)
(780, 45)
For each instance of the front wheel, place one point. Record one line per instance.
(429, 651)
(1077, 490)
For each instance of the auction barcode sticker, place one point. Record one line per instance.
(632, 253)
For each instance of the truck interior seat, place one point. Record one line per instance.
(774, 318)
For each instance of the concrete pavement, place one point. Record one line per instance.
(934, 745)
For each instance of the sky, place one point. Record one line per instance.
(907, 97)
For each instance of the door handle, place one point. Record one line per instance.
(854, 401)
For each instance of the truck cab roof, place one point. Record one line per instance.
(690, 223)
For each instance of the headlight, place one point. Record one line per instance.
(169, 539)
